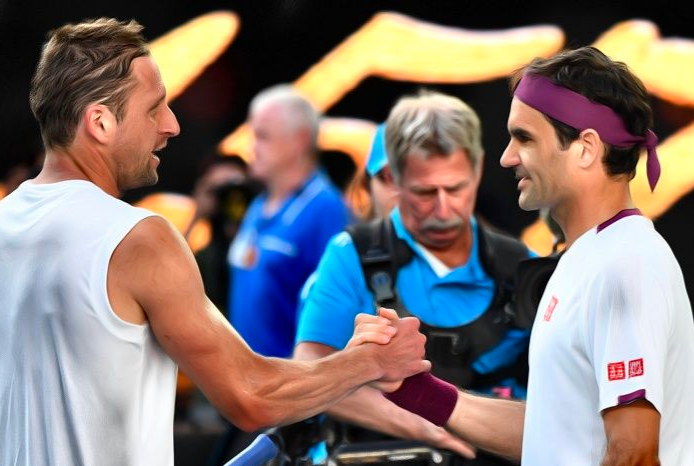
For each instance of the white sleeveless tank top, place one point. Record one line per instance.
(78, 385)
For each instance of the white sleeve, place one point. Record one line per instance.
(627, 327)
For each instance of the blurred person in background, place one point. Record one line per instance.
(222, 195)
(286, 228)
(19, 173)
(372, 192)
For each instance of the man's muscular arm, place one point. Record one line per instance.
(367, 407)
(153, 277)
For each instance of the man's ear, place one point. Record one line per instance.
(304, 137)
(479, 170)
(99, 123)
(592, 148)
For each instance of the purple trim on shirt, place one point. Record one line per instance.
(631, 397)
(620, 215)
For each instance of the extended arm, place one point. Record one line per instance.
(368, 408)
(494, 425)
(154, 273)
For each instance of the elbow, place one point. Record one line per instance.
(251, 413)
(255, 403)
(260, 417)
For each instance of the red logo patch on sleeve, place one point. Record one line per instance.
(550, 308)
(615, 371)
(636, 367)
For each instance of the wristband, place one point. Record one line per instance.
(426, 396)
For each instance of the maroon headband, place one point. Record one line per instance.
(577, 111)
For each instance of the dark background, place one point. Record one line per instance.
(279, 40)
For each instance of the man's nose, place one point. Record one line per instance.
(170, 124)
(442, 209)
(509, 158)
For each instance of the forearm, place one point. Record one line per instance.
(632, 432)
(627, 453)
(492, 424)
(368, 408)
(365, 407)
(278, 391)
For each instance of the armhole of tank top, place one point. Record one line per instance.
(126, 330)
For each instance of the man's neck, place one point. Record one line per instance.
(458, 254)
(63, 165)
(282, 185)
(592, 208)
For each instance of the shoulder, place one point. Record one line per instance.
(321, 191)
(153, 230)
(154, 261)
(255, 209)
(328, 197)
(631, 246)
(152, 239)
(341, 245)
(630, 268)
(339, 262)
(317, 202)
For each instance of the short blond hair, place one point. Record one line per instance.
(82, 64)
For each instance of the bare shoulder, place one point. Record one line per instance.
(150, 234)
(151, 264)
(154, 241)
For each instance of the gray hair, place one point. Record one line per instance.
(429, 124)
(300, 111)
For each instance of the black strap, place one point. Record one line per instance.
(451, 350)
(381, 254)
(500, 255)
(532, 276)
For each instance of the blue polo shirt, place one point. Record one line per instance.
(271, 257)
(337, 292)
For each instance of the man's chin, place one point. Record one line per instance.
(440, 241)
(528, 208)
(150, 180)
(258, 171)
(528, 204)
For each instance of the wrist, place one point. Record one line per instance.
(426, 396)
(369, 362)
(461, 406)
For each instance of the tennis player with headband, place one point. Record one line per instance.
(612, 347)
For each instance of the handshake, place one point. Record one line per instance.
(397, 346)
(405, 380)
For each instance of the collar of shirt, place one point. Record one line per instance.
(471, 272)
(289, 204)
